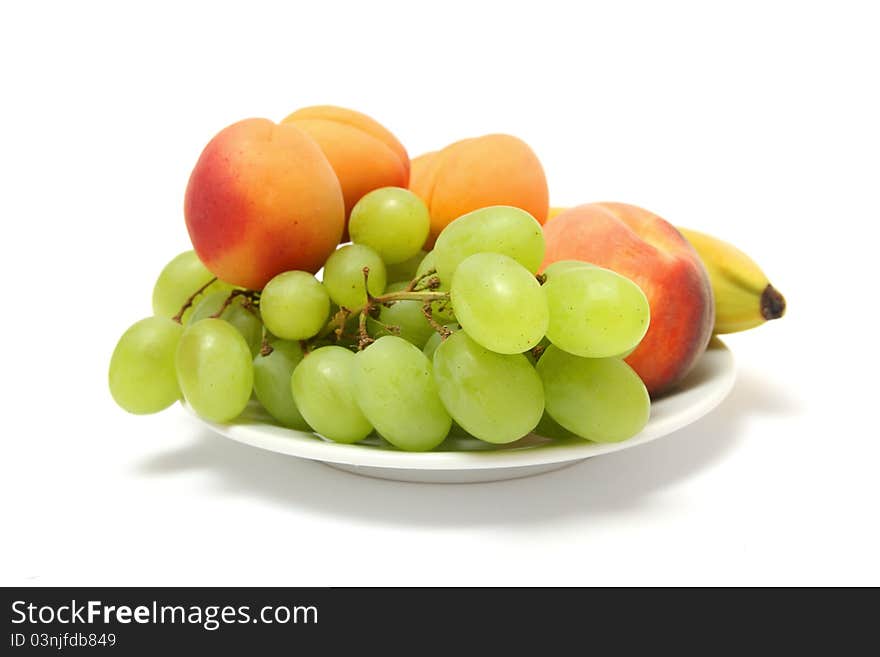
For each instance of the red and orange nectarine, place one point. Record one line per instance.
(263, 199)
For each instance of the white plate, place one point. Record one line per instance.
(470, 460)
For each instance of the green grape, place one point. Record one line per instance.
(294, 305)
(625, 354)
(179, 279)
(406, 316)
(323, 388)
(435, 340)
(594, 312)
(392, 221)
(550, 428)
(497, 398)
(395, 389)
(214, 369)
(427, 264)
(272, 375)
(499, 303)
(565, 265)
(245, 320)
(442, 311)
(600, 399)
(142, 377)
(496, 229)
(344, 275)
(406, 270)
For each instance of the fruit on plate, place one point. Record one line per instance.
(455, 313)
(494, 169)
(744, 297)
(263, 199)
(649, 251)
(346, 355)
(363, 153)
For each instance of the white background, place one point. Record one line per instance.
(754, 121)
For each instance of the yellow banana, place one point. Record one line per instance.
(744, 297)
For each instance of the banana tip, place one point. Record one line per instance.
(772, 303)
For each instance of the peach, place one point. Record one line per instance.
(650, 251)
(362, 152)
(263, 199)
(475, 173)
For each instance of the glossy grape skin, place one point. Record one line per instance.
(600, 399)
(499, 303)
(497, 398)
(392, 221)
(214, 369)
(179, 279)
(245, 320)
(595, 312)
(344, 275)
(272, 374)
(322, 385)
(564, 265)
(408, 317)
(395, 389)
(142, 377)
(496, 229)
(294, 305)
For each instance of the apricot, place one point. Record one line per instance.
(362, 152)
(475, 173)
(263, 199)
(651, 252)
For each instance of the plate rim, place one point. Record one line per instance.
(309, 446)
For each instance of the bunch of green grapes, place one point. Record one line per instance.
(399, 342)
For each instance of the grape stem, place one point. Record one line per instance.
(265, 347)
(407, 294)
(189, 302)
(414, 283)
(428, 313)
(336, 324)
(403, 295)
(249, 295)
